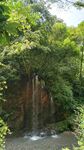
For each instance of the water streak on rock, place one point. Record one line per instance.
(35, 104)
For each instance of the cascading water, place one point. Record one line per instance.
(41, 108)
(35, 104)
(52, 108)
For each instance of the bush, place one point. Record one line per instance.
(3, 132)
(79, 128)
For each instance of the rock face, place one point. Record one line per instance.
(28, 104)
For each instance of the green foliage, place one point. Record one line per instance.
(62, 93)
(64, 125)
(3, 132)
(79, 128)
(40, 44)
(79, 4)
(80, 122)
(3, 18)
(4, 15)
(56, 62)
(3, 126)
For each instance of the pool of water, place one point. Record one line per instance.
(35, 142)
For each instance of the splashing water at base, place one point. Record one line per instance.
(54, 136)
(40, 136)
(35, 138)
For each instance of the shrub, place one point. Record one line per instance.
(3, 132)
(79, 128)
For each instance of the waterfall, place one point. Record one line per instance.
(26, 106)
(39, 108)
(35, 104)
(52, 108)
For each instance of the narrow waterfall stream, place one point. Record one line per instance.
(35, 104)
(41, 105)
(52, 107)
(35, 109)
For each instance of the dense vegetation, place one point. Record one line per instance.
(34, 42)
